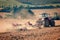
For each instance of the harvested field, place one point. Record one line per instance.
(52, 33)
(49, 33)
(9, 28)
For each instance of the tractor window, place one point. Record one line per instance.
(56, 16)
(44, 15)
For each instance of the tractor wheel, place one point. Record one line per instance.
(46, 23)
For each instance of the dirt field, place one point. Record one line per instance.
(52, 33)
(7, 24)
(9, 30)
